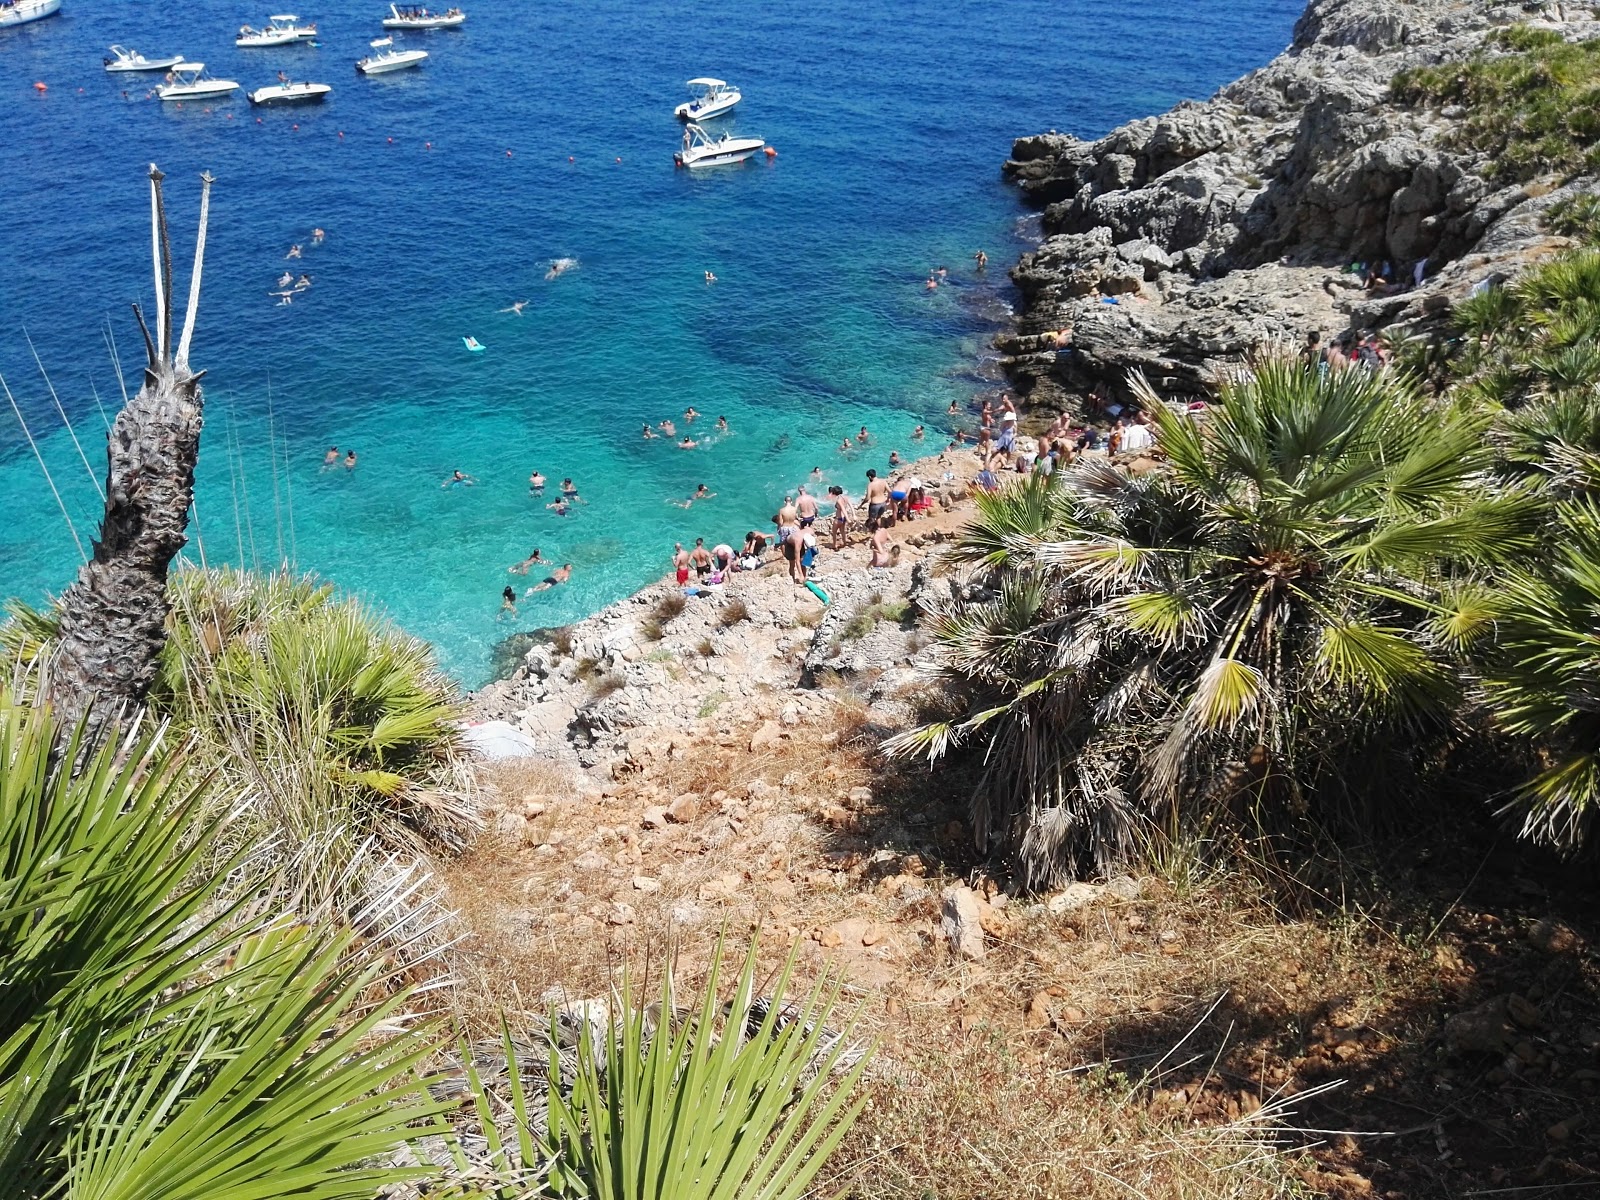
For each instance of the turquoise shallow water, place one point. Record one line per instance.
(890, 118)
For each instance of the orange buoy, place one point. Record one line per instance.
(41, 87)
(772, 152)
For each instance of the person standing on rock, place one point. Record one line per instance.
(701, 558)
(877, 499)
(680, 563)
(806, 509)
(841, 516)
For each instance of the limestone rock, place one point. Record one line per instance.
(961, 918)
(684, 809)
(654, 817)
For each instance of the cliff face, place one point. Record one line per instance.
(1228, 223)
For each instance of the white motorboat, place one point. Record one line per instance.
(286, 92)
(712, 98)
(385, 58)
(278, 31)
(20, 12)
(132, 60)
(189, 81)
(700, 149)
(414, 16)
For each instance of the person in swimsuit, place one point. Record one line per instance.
(863, 437)
(722, 556)
(722, 424)
(350, 461)
(561, 507)
(877, 499)
(918, 433)
(508, 601)
(569, 491)
(690, 413)
(457, 479)
(649, 433)
(555, 579)
(841, 516)
(701, 558)
(894, 458)
(687, 443)
(806, 509)
(981, 259)
(533, 560)
(536, 484)
(331, 458)
(668, 428)
(701, 493)
(680, 563)
(844, 446)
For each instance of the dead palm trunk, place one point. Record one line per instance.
(113, 617)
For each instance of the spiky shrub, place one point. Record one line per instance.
(739, 1101)
(162, 1038)
(1263, 629)
(337, 729)
(1544, 679)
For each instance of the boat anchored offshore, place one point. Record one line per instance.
(188, 81)
(20, 12)
(701, 150)
(278, 31)
(712, 98)
(286, 92)
(413, 16)
(385, 58)
(132, 60)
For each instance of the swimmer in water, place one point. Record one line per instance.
(285, 279)
(690, 413)
(667, 427)
(918, 433)
(722, 424)
(710, 278)
(953, 409)
(457, 478)
(687, 443)
(316, 237)
(702, 493)
(981, 259)
(559, 266)
(561, 508)
(331, 458)
(942, 271)
(555, 579)
(648, 432)
(294, 251)
(350, 461)
(894, 458)
(816, 474)
(516, 307)
(863, 437)
(303, 282)
(569, 491)
(533, 560)
(284, 298)
(508, 601)
(536, 484)
(844, 446)
(931, 284)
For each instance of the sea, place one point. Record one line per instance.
(542, 130)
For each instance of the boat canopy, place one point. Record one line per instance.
(709, 83)
(380, 43)
(285, 17)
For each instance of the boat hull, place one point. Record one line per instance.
(276, 97)
(429, 23)
(149, 64)
(384, 66)
(28, 10)
(689, 112)
(202, 91)
(717, 158)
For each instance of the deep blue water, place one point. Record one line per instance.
(890, 119)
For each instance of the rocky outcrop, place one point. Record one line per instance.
(1181, 242)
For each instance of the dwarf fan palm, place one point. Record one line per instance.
(1225, 634)
(158, 1040)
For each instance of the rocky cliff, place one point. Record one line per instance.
(1178, 243)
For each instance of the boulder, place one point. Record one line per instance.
(961, 918)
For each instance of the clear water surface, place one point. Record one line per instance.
(543, 130)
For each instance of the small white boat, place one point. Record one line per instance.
(132, 60)
(712, 98)
(285, 91)
(385, 58)
(701, 150)
(278, 31)
(414, 16)
(188, 81)
(20, 12)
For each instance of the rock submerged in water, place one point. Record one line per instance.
(1223, 225)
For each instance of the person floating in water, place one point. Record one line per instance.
(302, 283)
(648, 433)
(687, 443)
(516, 307)
(285, 279)
(533, 560)
(555, 579)
(845, 447)
(863, 437)
(294, 251)
(981, 259)
(700, 493)
(722, 424)
(690, 413)
(331, 458)
(931, 284)
(942, 272)
(561, 507)
(350, 461)
(569, 491)
(559, 266)
(894, 458)
(536, 484)
(953, 409)
(508, 601)
(667, 427)
(317, 235)
(918, 433)
(458, 479)
(710, 278)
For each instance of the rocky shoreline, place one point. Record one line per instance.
(1178, 244)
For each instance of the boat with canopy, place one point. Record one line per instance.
(711, 98)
